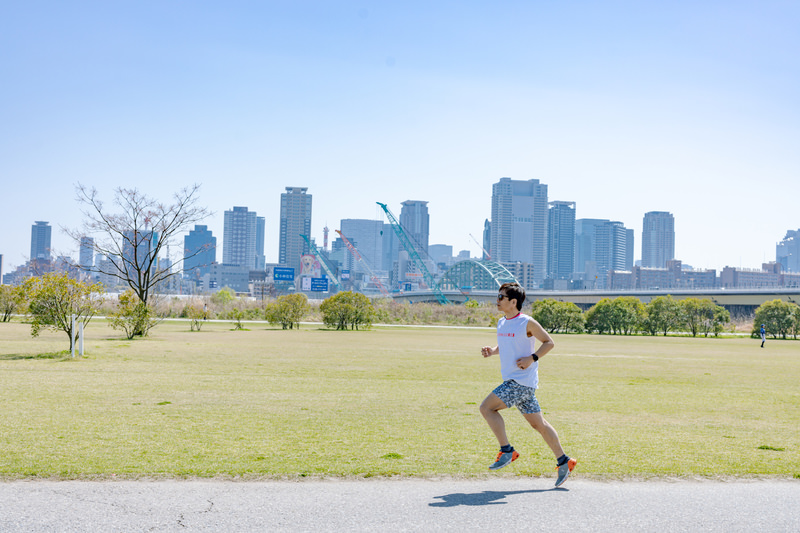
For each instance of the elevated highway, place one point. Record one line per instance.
(738, 301)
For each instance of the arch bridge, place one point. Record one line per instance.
(473, 275)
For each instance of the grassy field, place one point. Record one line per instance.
(394, 401)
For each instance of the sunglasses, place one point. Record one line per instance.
(501, 296)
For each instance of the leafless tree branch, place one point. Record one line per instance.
(132, 238)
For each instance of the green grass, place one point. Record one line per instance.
(394, 401)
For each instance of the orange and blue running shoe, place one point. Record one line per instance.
(503, 459)
(564, 470)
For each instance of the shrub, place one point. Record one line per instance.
(288, 310)
(347, 309)
(779, 318)
(132, 316)
(558, 317)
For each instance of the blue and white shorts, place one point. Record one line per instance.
(513, 394)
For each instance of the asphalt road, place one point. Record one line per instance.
(497, 504)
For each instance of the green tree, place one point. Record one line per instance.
(558, 317)
(572, 318)
(627, 314)
(662, 314)
(288, 310)
(703, 315)
(11, 300)
(54, 298)
(132, 316)
(545, 313)
(599, 317)
(237, 315)
(223, 297)
(692, 312)
(796, 325)
(347, 309)
(196, 315)
(778, 317)
(721, 317)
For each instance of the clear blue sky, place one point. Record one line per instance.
(623, 107)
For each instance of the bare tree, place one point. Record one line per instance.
(132, 238)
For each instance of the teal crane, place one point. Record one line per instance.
(414, 255)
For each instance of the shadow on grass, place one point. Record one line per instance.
(487, 497)
(60, 356)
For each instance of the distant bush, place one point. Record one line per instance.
(558, 317)
(288, 310)
(347, 309)
(780, 319)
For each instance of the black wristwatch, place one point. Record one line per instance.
(535, 357)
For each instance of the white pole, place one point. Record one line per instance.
(81, 338)
(72, 334)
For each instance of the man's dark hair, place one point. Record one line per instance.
(514, 291)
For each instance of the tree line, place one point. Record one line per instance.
(627, 315)
(50, 300)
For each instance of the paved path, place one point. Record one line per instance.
(499, 504)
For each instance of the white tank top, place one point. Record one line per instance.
(514, 343)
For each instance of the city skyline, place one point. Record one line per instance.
(621, 109)
(176, 255)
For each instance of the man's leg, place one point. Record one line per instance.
(564, 464)
(548, 432)
(489, 409)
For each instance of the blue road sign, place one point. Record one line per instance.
(283, 274)
(319, 284)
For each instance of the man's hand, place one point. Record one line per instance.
(525, 362)
(487, 351)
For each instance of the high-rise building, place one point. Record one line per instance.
(239, 238)
(86, 255)
(40, 241)
(295, 221)
(416, 222)
(261, 259)
(138, 251)
(391, 246)
(658, 239)
(441, 255)
(787, 252)
(487, 239)
(199, 252)
(600, 246)
(366, 236)
(519, 224)
(561, 240)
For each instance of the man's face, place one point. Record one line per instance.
(504, 304)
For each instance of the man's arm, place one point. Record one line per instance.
(536, 331)
(487, 351)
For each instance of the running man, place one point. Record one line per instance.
(519, 365)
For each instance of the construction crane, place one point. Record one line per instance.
(358, 257)
(414, 255)
(322, 261)
(488, 255)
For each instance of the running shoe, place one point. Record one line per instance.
(503, 459)
(564, 470)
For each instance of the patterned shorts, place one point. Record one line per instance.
(512, 393)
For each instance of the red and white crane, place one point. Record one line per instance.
(358, 257)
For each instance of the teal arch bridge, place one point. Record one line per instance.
(472, 275)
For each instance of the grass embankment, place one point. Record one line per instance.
(274, 403)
